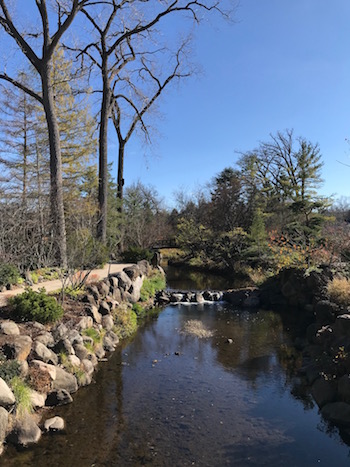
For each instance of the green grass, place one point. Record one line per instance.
(22, 393)
(151, 285)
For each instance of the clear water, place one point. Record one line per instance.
(168, 398)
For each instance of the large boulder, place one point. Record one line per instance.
(60, 332)
(41, 352)
(65, 380)
(326, 311)
(19, 348)
(37, 399)
(135, 289)
(9, 328)
(133, 272)
(25, 431)
(94, 313)
(323, 391)
(54, 424)
(124, 280)
(144, 267)
(86, 322)
(58, 397)
(7, 397)
(46, 338)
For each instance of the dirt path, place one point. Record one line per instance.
(51, 286)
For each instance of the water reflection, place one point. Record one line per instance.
(173, 399)
(186, 279)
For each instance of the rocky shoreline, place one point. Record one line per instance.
(58, 359)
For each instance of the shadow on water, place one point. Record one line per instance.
(170, 398)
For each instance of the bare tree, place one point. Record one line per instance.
(123, 30)
(40, 56)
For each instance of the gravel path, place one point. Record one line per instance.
(51, 286)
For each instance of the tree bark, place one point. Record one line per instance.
(103, 163)
(120, 180)
(56, 191)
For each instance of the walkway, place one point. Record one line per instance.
(51, 286)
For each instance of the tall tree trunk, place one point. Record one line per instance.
(120, 181)
(56, 191)
(103, 165)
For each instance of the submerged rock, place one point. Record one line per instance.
(54, 424)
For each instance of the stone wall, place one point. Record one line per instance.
(60, 358)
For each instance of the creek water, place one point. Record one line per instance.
(168, 397)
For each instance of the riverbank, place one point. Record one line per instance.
(42, 365)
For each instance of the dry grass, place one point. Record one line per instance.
(196, 328)
(339, 291)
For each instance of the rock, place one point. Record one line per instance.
(60, 332)
(323, 391)
(9, 328)
(344, 388)
(4, 421)
(342, 325)
(123, 280)
(64, 346)
(132, 272)
(208, 296)
(135, 289)
(162, 297)
(37, 399)
(85, 323)
(99, 351)
(80, 351)
(46, 367)
(117, 295)
(229, 341)
(74, 337)
(114, 283)
(58, 397)
(93, 359)
(54, 424)
(74, 360)
(19, 348)
(85, 380)
(199, 298)
(46, 338)
(108, 344)
(7, 397)
(337, 412)
(92, 290)
(25, 432)
(104, 308)
(324, 336)
(65, 380)
(113, 337)
(107, 322)
(103, 289)
(144, 267)
(88, 298)
(41, 352)
(94, 313)
(23, 368)
(325, 311)
(87, 366)
(176, 297)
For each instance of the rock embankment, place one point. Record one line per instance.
(56, 360)
(326, 346)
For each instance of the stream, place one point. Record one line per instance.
(168, 397)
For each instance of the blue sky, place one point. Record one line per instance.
(282, 64)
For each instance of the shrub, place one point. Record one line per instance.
(339, 290)
(8, 274)
(138, 309)
(8, 368)
(36, 306)
(135, 254)
(21, 392)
